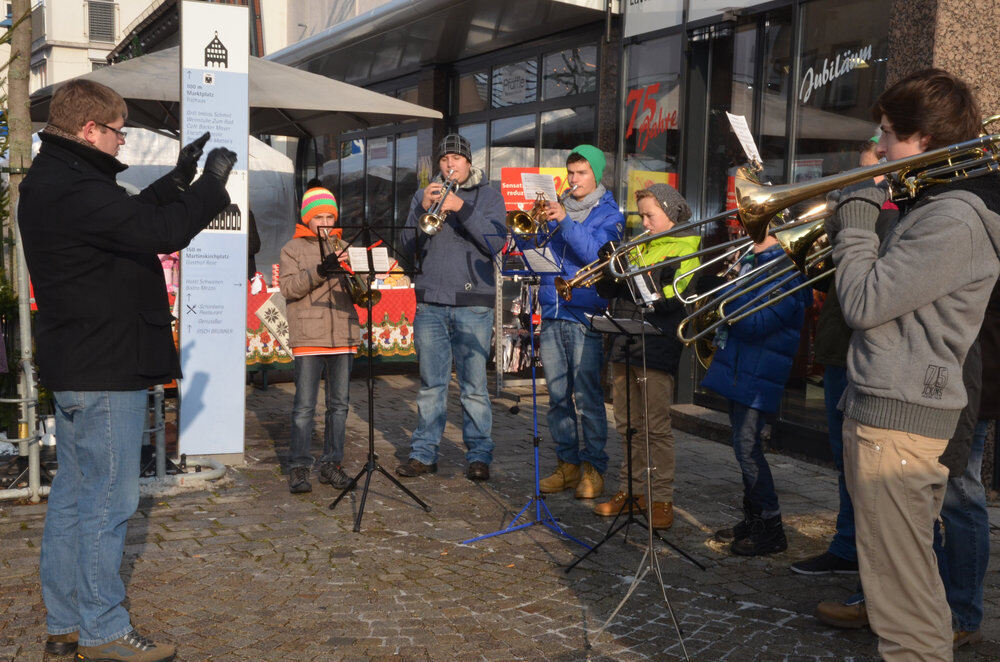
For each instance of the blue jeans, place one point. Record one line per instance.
(572, 357)
(442, 334)
(308, 371)
(834, 383)
(963, 551)
(95, 491)
(758, 485)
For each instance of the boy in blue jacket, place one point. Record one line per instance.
(750, 367)
(571, 353)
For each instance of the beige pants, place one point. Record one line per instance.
(897, 485)
(655, 418)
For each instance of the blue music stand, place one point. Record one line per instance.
(534, 263)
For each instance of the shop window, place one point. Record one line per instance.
(380, 181)
(476, 135)
(572, 71)
(513, 144)
(472, 92)
(564, 129)
(842, 72)
(352, 179)
(777, 74)
(515, 83)
(408, 94)
(652, 118)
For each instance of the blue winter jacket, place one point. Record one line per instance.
(755, 358)
(576, 244)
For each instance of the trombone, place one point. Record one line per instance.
(533, 222)
(590, 274)
(357, 285)
(802, 242)
(433, 220)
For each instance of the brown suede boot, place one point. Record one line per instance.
(617, 504)
(661, 516)
(566, 476)
(591, 483)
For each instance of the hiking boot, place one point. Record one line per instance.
(852, 614)
(616, 504)
(132, 647)
(962, 637)
(414, 467)
(298, 480)
(661, 515)
(825, 564)
(566, 476)
(741, 529)
(767, 536)
(62, 644)
(591, 483)
(478, 471)
(333, 475)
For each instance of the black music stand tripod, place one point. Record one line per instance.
(371, 463)
(649, 562)
(634, 331)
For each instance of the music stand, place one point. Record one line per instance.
(371, 463)
(632, 329)
(534, 263)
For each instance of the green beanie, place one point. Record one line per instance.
(595, 158)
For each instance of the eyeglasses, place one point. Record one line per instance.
(120, 134)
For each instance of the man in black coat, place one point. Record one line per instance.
(103, 337)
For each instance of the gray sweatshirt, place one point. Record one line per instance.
(916, 304)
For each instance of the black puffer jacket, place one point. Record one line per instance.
(103, 320)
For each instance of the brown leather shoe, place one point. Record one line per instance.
(566, 476)
(661, 515)
(62, 644)
(591, 483)
(616, 504)
(840, 615)
(133, 647)
(961, 638)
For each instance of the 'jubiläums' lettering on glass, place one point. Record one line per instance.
(813, 80)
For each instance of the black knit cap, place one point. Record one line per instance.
(455, 144)
(672, 202)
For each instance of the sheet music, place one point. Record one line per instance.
(541, 260)
(742, 131)
(533, 182)
(358, 258)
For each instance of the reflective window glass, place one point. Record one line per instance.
(515, 83)
(572, 71)
(564, 129)
(513, 144)
(472, 92)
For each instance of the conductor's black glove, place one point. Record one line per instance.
(219, 164)
(329, 266)
(187, 161)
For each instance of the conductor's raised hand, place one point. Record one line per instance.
(219, 164)
(187, 161)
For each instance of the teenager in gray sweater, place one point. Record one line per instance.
(915, 303)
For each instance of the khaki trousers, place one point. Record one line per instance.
(897, 485)
(655, 418)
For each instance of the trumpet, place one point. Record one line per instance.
(533, 222)
(432, 221)
(357, 285)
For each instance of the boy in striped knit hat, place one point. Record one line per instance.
(323, 333)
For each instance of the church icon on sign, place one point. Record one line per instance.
(216, 54)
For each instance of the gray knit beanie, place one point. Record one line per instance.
(672, 202)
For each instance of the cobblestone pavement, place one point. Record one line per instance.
(247, 571)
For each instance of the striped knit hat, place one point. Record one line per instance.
(318, 201)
